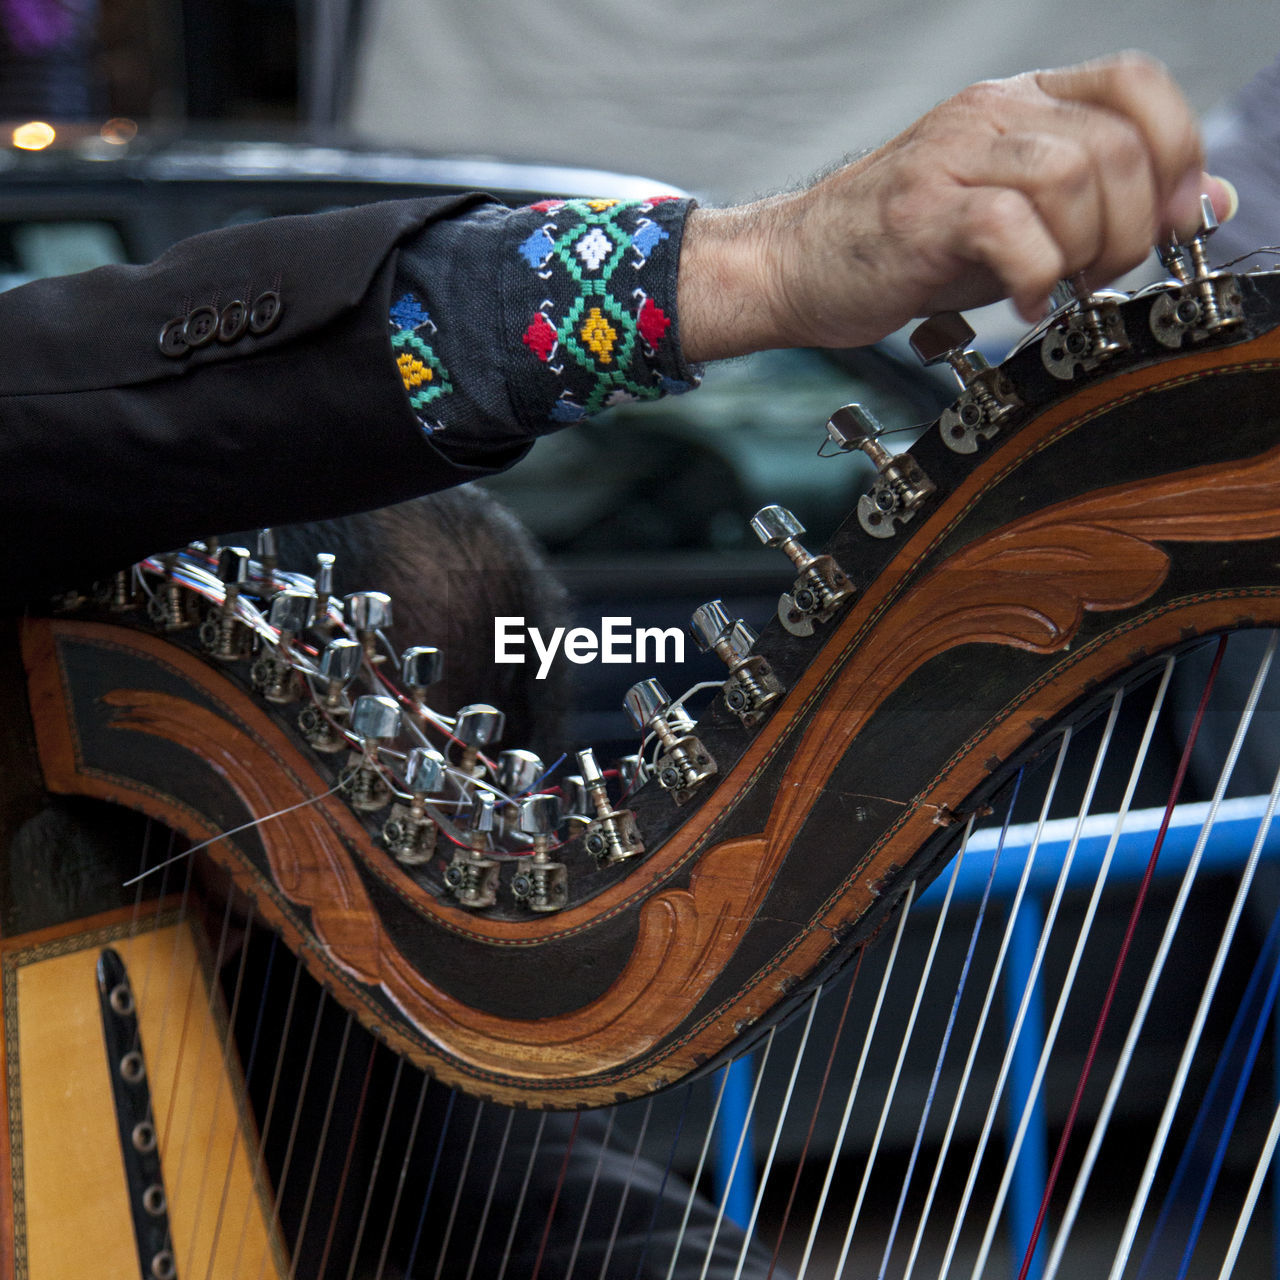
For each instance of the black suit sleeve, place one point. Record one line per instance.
(113, 447)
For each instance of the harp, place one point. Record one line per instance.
(1049, 557)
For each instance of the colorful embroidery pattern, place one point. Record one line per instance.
(423, 373)
(599, 331)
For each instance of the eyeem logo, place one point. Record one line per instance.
(616, 641)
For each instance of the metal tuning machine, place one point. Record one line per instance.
(171, 608)
(821, 585)
(540, 883)
(684, 763)
(339, 661)
(612, 835)
(409, 833)
(478, 725)
(900, 488)
(471, 877)
(374, 720)
(420, 668)
(368, 612)
(222, 634)
(751, 685)
(1085, 330)
(273, 673)
(1205, 303)
(987, 397)
(518, 771)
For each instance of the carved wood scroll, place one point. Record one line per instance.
(672, 961)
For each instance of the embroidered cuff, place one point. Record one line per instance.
(508, 324)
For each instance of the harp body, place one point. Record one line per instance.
(1117, 514)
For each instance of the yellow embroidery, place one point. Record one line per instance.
(599, 206)
(599, 335)
(413, 371)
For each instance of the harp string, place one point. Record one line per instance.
(1172, 925)
(993, 986)
(534, 1148)
(377, 1165)
(626, 1188)
(767, 1169)
(404, 1172)
(341, 1191)
(667, 1167)
(1251, 1198)
(891, 1091)
(431, 1182)
(903, 914)
(1127, 942)
(1193, 1038)
(590, 1196)
(489, 1197)
(227, 1056)
(697, 1176)
(813, 1115)
(1037, 962)
(320, 1145)
(296, 1121)
(946, 1035)
(555, 1197)
(744, 1130)
(1254, 1013)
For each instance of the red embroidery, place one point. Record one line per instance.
(653, 323)
(540, 337)
(547, 206)
(661, 199)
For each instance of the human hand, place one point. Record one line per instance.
(998, 192)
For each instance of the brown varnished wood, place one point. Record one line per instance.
(1082, 582)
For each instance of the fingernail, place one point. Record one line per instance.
(1232, 198)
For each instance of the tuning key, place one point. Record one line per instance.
(821, 584)
(900, 488)
(752, 684)
(368, 612)
(518, 770)
(420, 668)
(222, 634)
(612, 835)
(272, 674)
(408, 832)
(374, 720)
(1208, 302)
(540, 884)
(987, 397)
(471, 877)
(339, 662)
(684, 763)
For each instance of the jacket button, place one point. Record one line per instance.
(172, 343)
(233, 322)
(266, 312)
(201, 326)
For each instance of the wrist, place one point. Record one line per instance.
(731, 299)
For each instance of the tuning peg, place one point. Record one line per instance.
(478, 725)
(272, 673)
(518, 770)
(268, 554)
(1208, 302)
(821, 584)
(222, 634)
(751, 685)
(612, 835)
(420, 668)
(633, 773)
(685, 763)
(367, 613)
(987, 397)
(900, 488)
(541, 884)
(471, 877)
(374, 720)
(409, 833)
(323, 577)
(339, 661)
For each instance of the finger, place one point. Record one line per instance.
(1140, 90)
(1000, 230)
